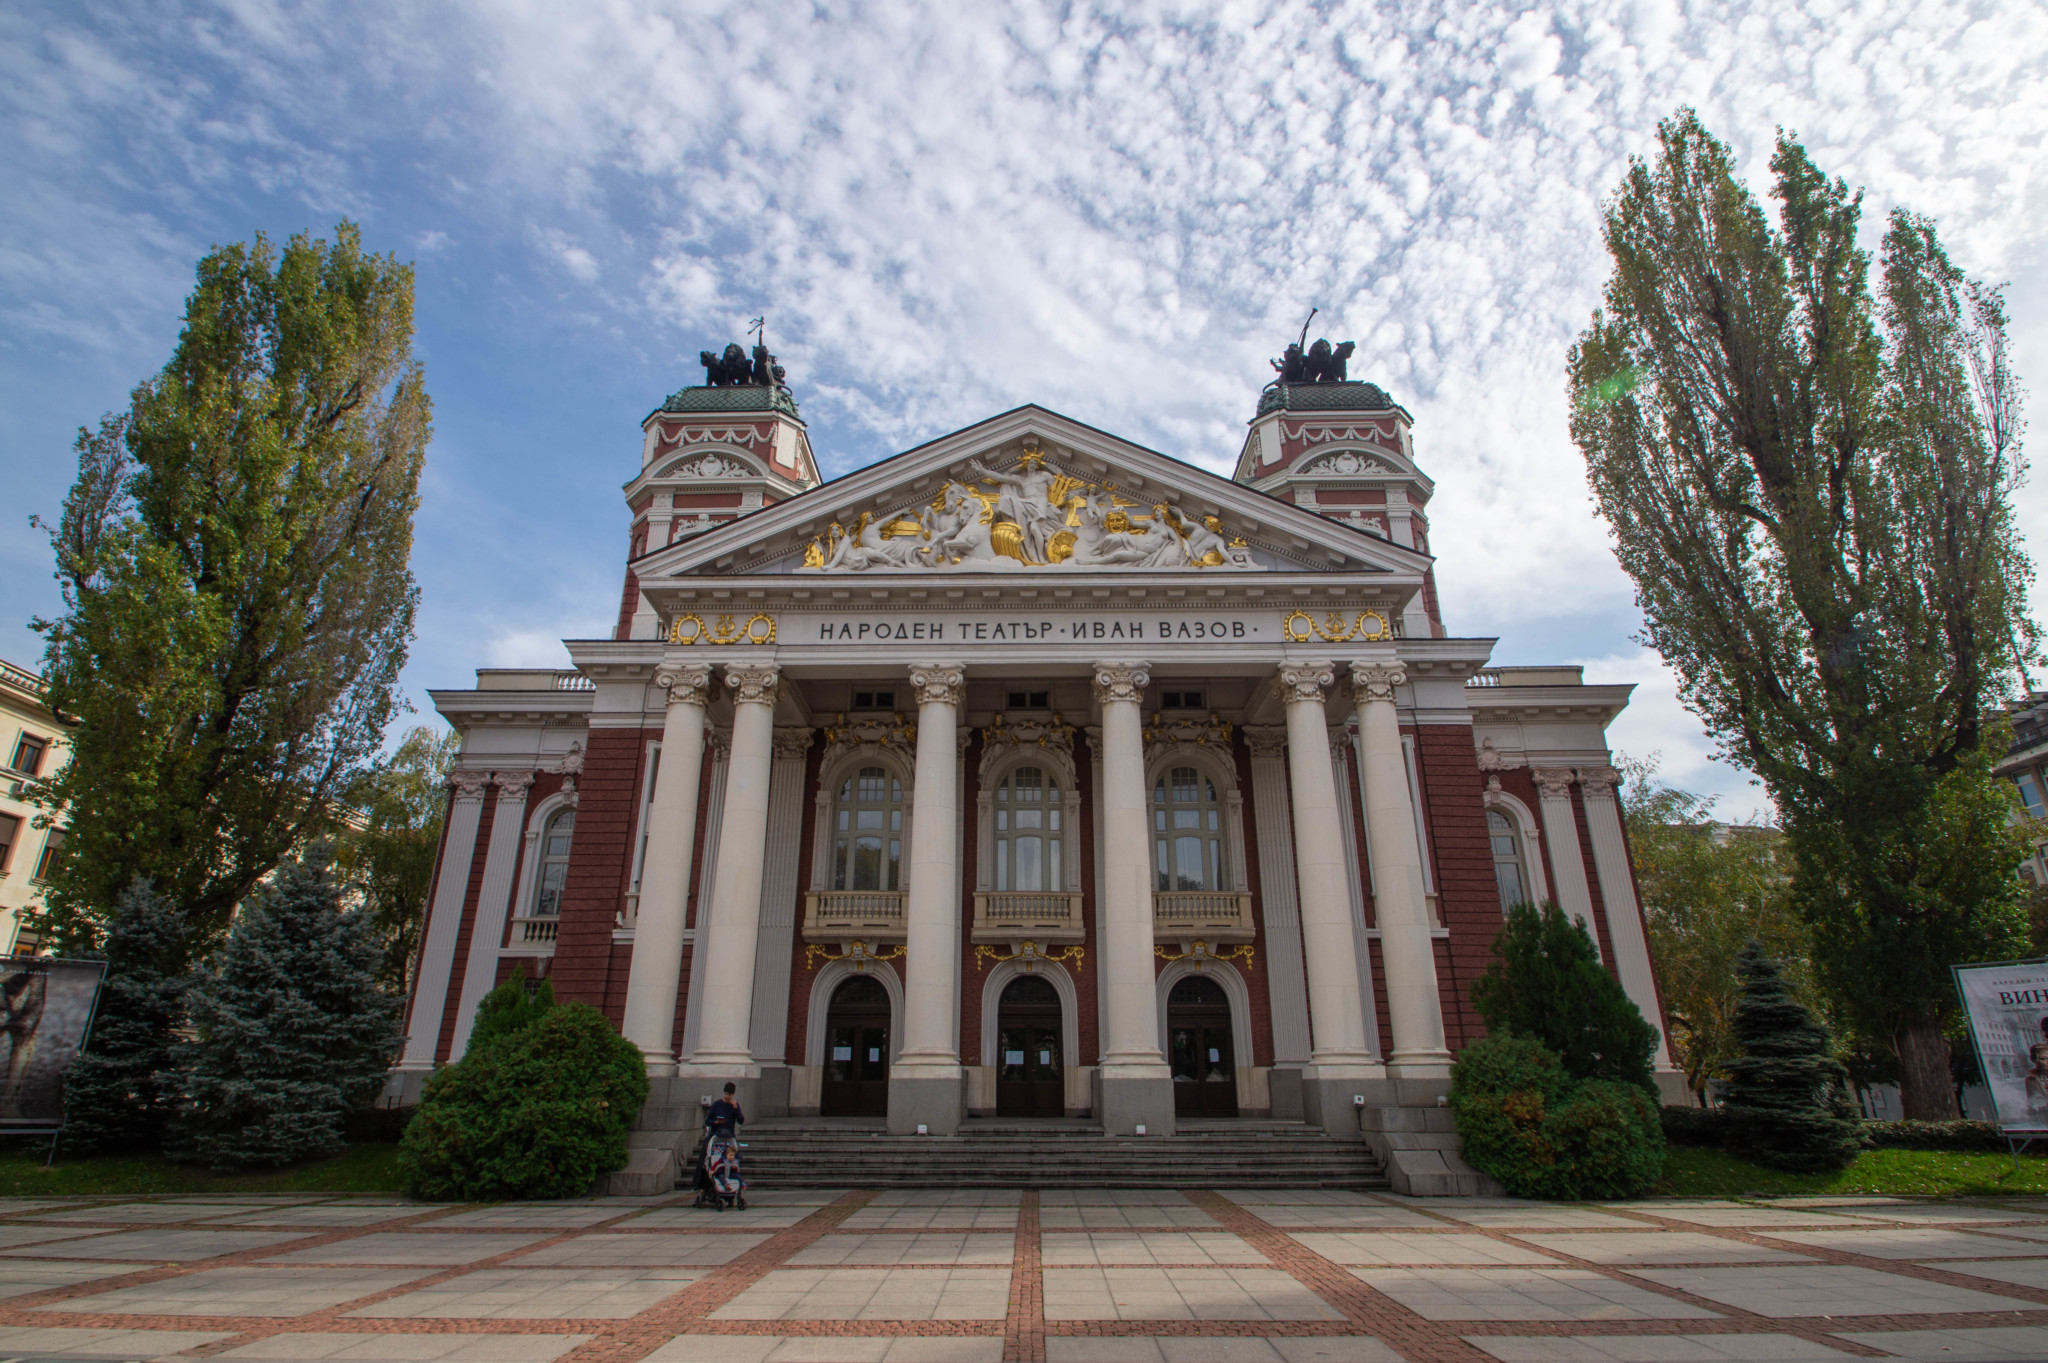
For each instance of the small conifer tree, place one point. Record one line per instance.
(291, 1027)
(510, 1008)
(1546, 982)
(112, 1097)
(1788, 1099)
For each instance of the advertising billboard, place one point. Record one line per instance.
(46, 1008)
(2007, 1003)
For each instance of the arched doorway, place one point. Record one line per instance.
(856, 1050)
(1029, 1081)
(1198, 1033)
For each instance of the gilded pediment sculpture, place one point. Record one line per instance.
(1034, 516)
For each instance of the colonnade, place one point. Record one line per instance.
(1134, 1086)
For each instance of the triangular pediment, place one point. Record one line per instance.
(1030, 495)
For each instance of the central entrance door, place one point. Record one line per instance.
(1028, 1079)
(1198, 1029)
(856, 1050)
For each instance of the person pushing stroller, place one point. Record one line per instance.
(718, 1172)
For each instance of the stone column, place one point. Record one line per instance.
(1134, 1086)
(1561, 839)
(769, 1035)
(444, 923)
(1286, 974)
(719, 741)
(657, 966)
(1624, 914)
(1340, 1063)
(1407, 952)
(493, 899)
(927, 1086)
(728, 934)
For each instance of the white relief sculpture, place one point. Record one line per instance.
(1347, 464)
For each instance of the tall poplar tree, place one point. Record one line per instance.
(1810, 482)
(237, 604)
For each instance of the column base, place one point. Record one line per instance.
(927, 1096)
(1330, 1094)
(1284, 1083)
(1124, 1102)
(660, 1064)
(1673, 1089)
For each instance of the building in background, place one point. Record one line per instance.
(2025, 764)
(31, 745)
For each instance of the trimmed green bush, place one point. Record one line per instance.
(1788, 1103)
(1701, 1127)
(1956, 1135)
(1546, 982)
(535, 1110)
(1526, 1121)
(510, 1008)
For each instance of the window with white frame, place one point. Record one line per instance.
(867, 851)
(1187, 830)
(1507, 859)
(2030, 794)
(1028, 833)
(554, 864)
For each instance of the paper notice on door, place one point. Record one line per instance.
(1214, 1055)
(1013, 1057)
(842, 1052)
(874, 1055)
(1045, 1057)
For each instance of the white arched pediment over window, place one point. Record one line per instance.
(1528, 850)
(538, 817)
(828, 980)
(1035, 784)
(1216, 773)
(1070, 1013)
(841, 777)
(1240, 996)
(713, 461)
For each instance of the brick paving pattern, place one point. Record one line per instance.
(938, 1276)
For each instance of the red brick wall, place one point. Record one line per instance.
(600, 861)
(1461, 853)
(451, 1006)
(1254, 974)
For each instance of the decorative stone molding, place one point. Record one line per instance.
(937, 685)
(1598, 782)
(1121, 682)
(1305, 681)
(571, 762)
(1266, 742)
(792, 742)
(711, 466)
(1001, 736)
(1376, 681)
(1346, 464)
(512, 784)
(753, 683)
(686, 683)
(1554, 782)
(469, 785)
(1213, 732)
(719, 743)
(894, 734)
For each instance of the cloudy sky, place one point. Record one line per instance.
(947, 210)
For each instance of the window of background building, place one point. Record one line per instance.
(10, 829)
(1027, 807)
(28, 754)
(1507, 859)
(52, 845)
(2030, 794)
(554, 864)
(867, 853)
(1187, 830)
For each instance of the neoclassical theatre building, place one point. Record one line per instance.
(1026, 772)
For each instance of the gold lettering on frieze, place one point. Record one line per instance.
(1370, 627)
(723, 629)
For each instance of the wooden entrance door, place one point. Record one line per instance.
(856, 1051)
(1198, 1032)
(1029, 1080)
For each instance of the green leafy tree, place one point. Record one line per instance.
(389, 858)
(114, 1094)
(290, 1027)
(1788, 1102)
(1810, 483)
(236, 599)
(1707, 889)
(1546, 983)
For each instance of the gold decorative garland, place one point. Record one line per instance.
(725, 629)
(1299, 627)
(1030, 955)
(1201, 955)
(856, 952)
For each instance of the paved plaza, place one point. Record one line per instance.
(1057, 1277)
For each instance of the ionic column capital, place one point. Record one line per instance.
(468, 785)
(686, 683)
(752, 683)
(1555, 783)
(937, 683)
(1124, 682)
(1598, 783)
(1376, 681)
(1303, 682)
(512, 785)
(1265, 741)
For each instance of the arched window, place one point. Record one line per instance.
(1187, 830)
(867, 853)
(1027, 807)
(1507, 860)
(554, 864)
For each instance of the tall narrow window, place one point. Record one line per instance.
(1027, 806)
(868, 851)
(2030, 794)
(53, 847)
(1507, 860)
(10, 829)
(554, 864)
(1187, 831)
(28, 754)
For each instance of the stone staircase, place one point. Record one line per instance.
(660, 1140)
(996, 1153)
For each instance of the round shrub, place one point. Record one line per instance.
(1523, 1120)
(538, 1111)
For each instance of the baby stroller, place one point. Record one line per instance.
(718, 1173)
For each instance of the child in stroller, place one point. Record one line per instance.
(718, 1166)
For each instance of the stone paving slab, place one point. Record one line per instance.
(1147, 1247)
(1659, 1247)
(1992, 1342)
(254, 1291)
(1827, 1290)
(320, 1218)
(1299, 1197)
(1910, 1242)
(18, 1341)
(1294, 1217)
(409, 1247)
(873, 1294)
(539, 1294)
(655, 1250)
(1361, 1249)
(1947, 1213)
(1523, 1294)
(948, 1197)
(1241, 1349)
(704, 1219)
(2019, 1272)
(1760, 1348)
(357, 1347)
(1164, 1217)
(838, 1349)
(19, 1277)
(14, 1206)
(159, 1246)
(1112, 1197)
(523, 1215)
(2027, 1232)
(1538, 1216)
(1760, 1218)
(144, 1213)
(28, 1233)
(1222, 1293)
(933, 1218)
(937, 1247)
